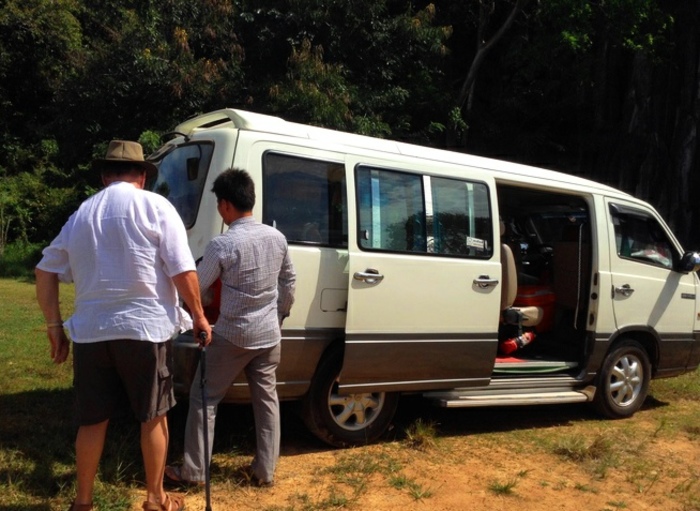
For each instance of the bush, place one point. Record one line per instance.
(19, 258)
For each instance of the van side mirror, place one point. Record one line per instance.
(689, 262)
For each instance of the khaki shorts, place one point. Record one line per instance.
(111, 377)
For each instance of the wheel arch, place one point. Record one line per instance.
(646, 336)
(335, 348)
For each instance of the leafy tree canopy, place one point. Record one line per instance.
(561, 83)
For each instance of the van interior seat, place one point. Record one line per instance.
(527, 316)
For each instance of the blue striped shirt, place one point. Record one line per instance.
(257, 278)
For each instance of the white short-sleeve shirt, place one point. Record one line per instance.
(121, 248)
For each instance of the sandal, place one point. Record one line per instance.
(173, 477)
(80, 507)
(173, 502)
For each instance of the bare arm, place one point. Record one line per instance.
(188, 287)
(47, 294)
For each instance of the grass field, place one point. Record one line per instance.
(37, 462)
(37, 435)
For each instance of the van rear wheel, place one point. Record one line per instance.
(344, 420)
(623, 381)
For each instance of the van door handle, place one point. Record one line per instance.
(369, 276)
(625, 290)
(484, 281)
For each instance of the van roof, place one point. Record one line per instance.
(250, 121)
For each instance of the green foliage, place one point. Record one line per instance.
(74, 75)
(40, 47)
(314, 89)
(150, 140)
(368, 67)
(176, 57)
(19, 258)
(32, 210)
(637, 25)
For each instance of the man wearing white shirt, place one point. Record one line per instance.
(126, 251)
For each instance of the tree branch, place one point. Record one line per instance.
(484, 47)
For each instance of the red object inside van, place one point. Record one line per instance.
(538, 296)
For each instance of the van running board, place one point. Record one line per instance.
(473, 398)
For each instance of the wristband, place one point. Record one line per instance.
(54, 324)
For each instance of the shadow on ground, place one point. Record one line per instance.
(37, 437)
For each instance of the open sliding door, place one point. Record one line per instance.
(424, 291)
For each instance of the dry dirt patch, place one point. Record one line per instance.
(486, 460)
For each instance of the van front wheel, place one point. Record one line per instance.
(624, 381)
(344, 420)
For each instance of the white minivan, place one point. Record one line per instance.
(470, 281)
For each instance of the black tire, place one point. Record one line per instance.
(349, 419)
(623, 381)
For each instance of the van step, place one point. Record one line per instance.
(511, 365)
(471, 398)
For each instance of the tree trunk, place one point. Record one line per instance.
(656, 155)
(483, 46)
(685, 156)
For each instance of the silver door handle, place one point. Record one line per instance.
(484, 281)
(625, 290)
(369, 276)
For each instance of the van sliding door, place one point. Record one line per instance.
(419, 314)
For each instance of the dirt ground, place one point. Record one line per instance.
(481, 460)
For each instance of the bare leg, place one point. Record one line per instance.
(88, 451)
(154, 448)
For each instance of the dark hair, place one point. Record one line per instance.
(236, 186)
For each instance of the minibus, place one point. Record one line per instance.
(466, 280)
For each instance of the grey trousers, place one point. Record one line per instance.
(224, 362)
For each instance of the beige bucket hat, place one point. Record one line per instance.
(120, 151)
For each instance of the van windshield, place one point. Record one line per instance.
(182, 173)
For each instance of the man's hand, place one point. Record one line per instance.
(47, 296)
(60, 345)
(202, 331)
(203, 339)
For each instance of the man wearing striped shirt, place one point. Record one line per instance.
(257, 293)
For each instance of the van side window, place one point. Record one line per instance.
(182, 173)
(402, 212)
(639, 236)
(305, 199)
(461, 218)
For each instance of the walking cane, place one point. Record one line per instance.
(205, 428)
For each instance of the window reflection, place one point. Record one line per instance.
(181, 177)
